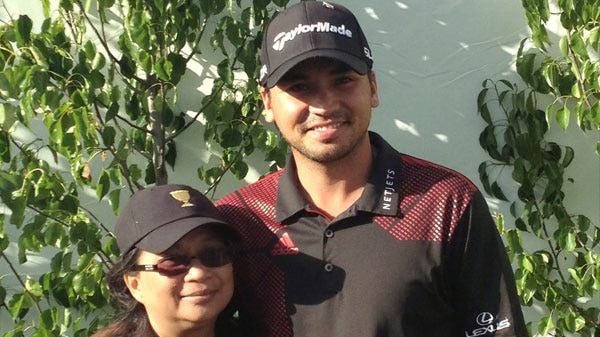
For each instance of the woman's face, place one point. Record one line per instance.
(188, 301)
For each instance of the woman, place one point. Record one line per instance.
(175, 276)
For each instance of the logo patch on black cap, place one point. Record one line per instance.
(183, 196)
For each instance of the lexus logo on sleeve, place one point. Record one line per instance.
(487, 324)
(485, 318)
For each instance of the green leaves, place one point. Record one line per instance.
(564, 275)
(538, 169)
(23, 30)
(225, 72)
(100, 99)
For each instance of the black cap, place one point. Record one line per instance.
(156, 218)
(312, 29)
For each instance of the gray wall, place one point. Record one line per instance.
(430, 59)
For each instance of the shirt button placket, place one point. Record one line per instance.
(329, 233)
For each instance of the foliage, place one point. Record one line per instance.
(564, 277)
(86, 116)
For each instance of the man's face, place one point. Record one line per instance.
(322, 108)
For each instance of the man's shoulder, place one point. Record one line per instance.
(265, 187)
(412, 168)
(251, 207)
(416, 169)
(421, 163)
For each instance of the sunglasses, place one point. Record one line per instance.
(179, 264)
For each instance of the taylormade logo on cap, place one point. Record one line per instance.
(311, 29)
(320, 27)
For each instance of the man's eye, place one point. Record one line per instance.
(343, 80)
(299, 87)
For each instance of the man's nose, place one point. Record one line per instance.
(324, 101)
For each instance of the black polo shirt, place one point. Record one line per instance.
(417, 255)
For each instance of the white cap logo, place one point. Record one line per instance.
(319, 27)
(263, 71)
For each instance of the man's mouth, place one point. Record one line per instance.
(321, 128)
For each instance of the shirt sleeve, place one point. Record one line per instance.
(485, 294)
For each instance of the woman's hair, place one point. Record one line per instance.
(132, 320)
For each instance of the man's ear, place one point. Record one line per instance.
(134, 285)
(266, 98)
(374, 93)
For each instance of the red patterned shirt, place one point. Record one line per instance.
(417, 255)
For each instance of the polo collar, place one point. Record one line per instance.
(381, 194)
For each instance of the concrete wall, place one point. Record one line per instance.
(430, 59)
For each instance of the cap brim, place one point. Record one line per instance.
(357, 64)
(167, 235)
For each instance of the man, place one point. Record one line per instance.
(353, 238)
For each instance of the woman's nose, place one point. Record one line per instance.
(197, 270)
